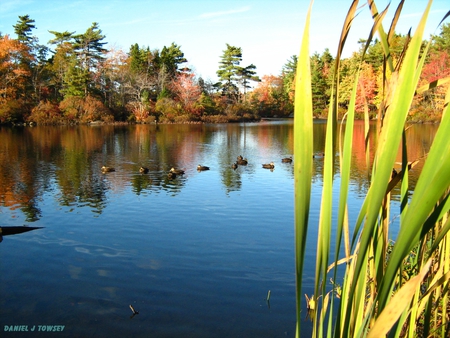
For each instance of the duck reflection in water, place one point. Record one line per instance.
(177, 171)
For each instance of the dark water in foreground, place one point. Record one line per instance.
(195, 256)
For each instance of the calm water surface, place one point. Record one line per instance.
(195, 256)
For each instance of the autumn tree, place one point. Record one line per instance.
(167, 64)
(366, 90)
(77, 65)
(13, 78)
(437, 67)
(159, 67)
(433, 99)
(187, 92)
(140, 84)
(151, 74)
(268, 98)
(114, 71)
(429, 104)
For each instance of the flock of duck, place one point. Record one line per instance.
(173, 173)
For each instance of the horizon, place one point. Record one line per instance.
(268, 32)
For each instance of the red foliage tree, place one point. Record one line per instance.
(367, 88)
(430, 103)
(187, 92)
(437, 67)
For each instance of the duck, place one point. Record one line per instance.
(202, 167)
(143, 170)
(171, 175)
(286, 160)
(107, 169)
(177, 171)
(242, 161)
(270, 165)
(234, 166)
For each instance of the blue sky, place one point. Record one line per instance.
(268, 32)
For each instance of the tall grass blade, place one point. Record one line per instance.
(399, 303)
(380, 295)
(303, 153)
(384, 39)
(390, 137)
(325, 221)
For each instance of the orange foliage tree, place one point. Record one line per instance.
(13, 77)
(87, 109)
(267, 97)
(367, 89)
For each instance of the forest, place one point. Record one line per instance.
(74, 79)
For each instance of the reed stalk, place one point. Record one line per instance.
(395, 287)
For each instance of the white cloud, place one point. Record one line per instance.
(223, 13)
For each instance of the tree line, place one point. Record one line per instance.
(75, 79)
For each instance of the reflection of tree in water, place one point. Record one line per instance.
(31, 211)
(22, 175)
(34, 161)
(140, 183)
(91, 192)
(231, 179)
(81, 182)
(174, 185)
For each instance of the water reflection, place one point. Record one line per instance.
(68, 160)
(192, 254)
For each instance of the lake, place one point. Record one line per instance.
(194, 256)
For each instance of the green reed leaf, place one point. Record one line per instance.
(303, 151)
(390, 137)
(432, 185)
